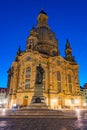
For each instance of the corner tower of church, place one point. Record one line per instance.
(60, 81)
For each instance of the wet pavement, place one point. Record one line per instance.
(37, 124)
(45, 123)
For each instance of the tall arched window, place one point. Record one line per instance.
(70, 88)
(59, 81)
(58, 76)
(70, 83)
(28, 72)
(27, 80)
(59, 87)
(69, 78)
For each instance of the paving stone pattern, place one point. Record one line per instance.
(38, 124)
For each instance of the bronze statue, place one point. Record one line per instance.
(39, 74)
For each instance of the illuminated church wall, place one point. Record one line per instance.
(61, 82)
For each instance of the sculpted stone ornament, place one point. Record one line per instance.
(39, 74)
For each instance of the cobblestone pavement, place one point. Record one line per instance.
(40, 124)
(46, 123)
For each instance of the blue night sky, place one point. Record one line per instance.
(67, 18)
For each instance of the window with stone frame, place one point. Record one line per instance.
(28, 72)
(27, 84)
(69, 78)
(70, 88)
(58, 76)
(70, 83)
(27, 79)
(58, 81)
(59, 86)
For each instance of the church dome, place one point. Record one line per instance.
(47, 42)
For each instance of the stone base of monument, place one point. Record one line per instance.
(40, 113)
(39, 109)
(38, 102)
(38, 106)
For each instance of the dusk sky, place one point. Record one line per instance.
(67, 18)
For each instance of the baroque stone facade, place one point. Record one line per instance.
(60, 84)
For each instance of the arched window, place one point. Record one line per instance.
(70, 88)
(28, 72)
(58, 76)
(70, 83)
(27, 80)
(27, 84)
(59, 86)
(69, 78)
(59, 81)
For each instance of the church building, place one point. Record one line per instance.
(61, 86)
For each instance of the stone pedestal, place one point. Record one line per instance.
(38, 100)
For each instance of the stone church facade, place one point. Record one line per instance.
(60, 82)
